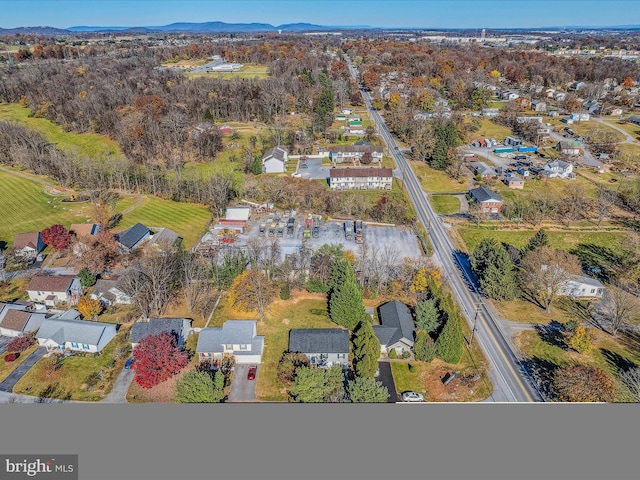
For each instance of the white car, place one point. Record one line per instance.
(412, 397)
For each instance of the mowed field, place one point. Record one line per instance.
(248, 70)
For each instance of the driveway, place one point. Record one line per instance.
(386, 378)
(23, 368)
(120, 388)
(243, 390)
(3, 343)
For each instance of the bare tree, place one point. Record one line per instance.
(631, 378)
(195, 278)
(545, 273)
(605, 201)
(618, 307)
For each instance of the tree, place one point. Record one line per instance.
(580, 340)
(366, 350)
(618, 307)
(490, 261)
(318, 385)
(446, 137)
(424, 347)
(288, 365)
(194, 278)
(631, 378)
(21, 343)
(89, 308)
(605, 201)
(252, 290)
(87, 279)
(540, 239)
(544, 274)
(427, 319)
(583, 383)
(449, 344)
(366, 390)
(198, 387)
(98, 253)
(157, 358)
(57, 237)
(345, 302)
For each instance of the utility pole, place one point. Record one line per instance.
(475, 321)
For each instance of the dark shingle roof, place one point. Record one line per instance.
(483, 194)
(397, 315)
(156, 326)
(319, 340)
(132, 235)
(22, 240)
(275, 152)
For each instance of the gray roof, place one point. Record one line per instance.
(103, 286)
(483, 169)
(319, 340)
(275, 152)
(156, 326)
(397, 315)
(587, 281)
(81, 331)
(165, 236)
(211, 340)
(132, 235)
(384, 334)
(483, 194)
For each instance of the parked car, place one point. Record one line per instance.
(412, 397)
(128, 363)
(252, 372)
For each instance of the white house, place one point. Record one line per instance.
(581, 286)
(237, 338)
(15, 320)
(324, 347)
(28, 245)
(109, 293)
(558, 169)
(72, 334)
(396, 331)
(274, 160)
(490, 112)
(52, 290)
(352, 153)
(579, 117)
(367, 178)
(509, 95)
(559, 96)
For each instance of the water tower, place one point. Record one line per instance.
(483, 34)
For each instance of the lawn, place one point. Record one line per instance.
(7, 367)
(248, 70)
(586, 129)
(26, 208)
(69, 381)
(445, 204)
(437, 181)
(14, 290)
(523, 311)
(89, 144)
(631, 128)
(490, 129)
(565, 240)
(188, 220)
(303, 310)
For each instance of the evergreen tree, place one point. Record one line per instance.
(365, 390)
(87, 279)
(449, 345)
(256, 166)
(492, 264)
(338, 273)
(317, 385)
(345, 302)
(540, 239)
(366, 350)
(218, 386)
(424, 347)
(195, 387)
(446, 136)
(427, 316)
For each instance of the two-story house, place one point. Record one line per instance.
(52, 290)
(368, 178)
(353, 153)
(28, 245)
(237, 338)
(558, 169)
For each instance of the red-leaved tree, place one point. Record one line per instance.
(21, 343)
(157, 358)
(56, 236)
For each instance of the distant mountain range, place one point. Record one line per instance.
(222, 27)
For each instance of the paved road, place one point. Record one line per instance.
(18, 373)
(511, 381)
(627, 137)
(243, 390)
(118, 393)
(3, 343)
(386, 378)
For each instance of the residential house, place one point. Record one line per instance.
(366, 178)
(570, 147)
(514, 182)
(559, 96)
(274, 160)
(581, 286)
(61, 334)
(579, 117)
(134, 236)
(396, 330)
(28, 245)
(354, 130)
(576, 86)
(558, 169)
(52, 290)
(509, 95)
(538, 106)
(614, 111)
(110, 293)
(513, 142)
(164, 236)
(482, 169)
(237, 338)
(353, 153)
(528, 119)
(490, 202)
(178, 327)
(323, 347)
(83, 230)
(549, 92)
(634, 119)
(16, 320)
(524, 102)
(490, 112)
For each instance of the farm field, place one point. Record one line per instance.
(248, 70)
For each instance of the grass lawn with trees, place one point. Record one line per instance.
(490, 129)
(69, 382)
(7, 367)
(437, 181)
(14, 290)
(445, 204)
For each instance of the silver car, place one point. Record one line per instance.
(412, 397)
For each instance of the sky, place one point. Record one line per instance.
(376, 13)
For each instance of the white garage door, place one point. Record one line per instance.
(255, 359)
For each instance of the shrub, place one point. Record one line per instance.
(10, 357)
(92, 379)
(393, 354)
(20, 344)
(285, 292)
(288, 365)
(406, 354)
(316, 286)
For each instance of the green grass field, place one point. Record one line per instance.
(249, 70)
(6, 368)
(565, 240)
(444, 204)
(187, 219)
(490, 129)
(89, 144)
(26, 208)
(437, 181)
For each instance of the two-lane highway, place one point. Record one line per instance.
(510, 379)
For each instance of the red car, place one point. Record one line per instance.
(252, 372)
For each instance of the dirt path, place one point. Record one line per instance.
(49, 188)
